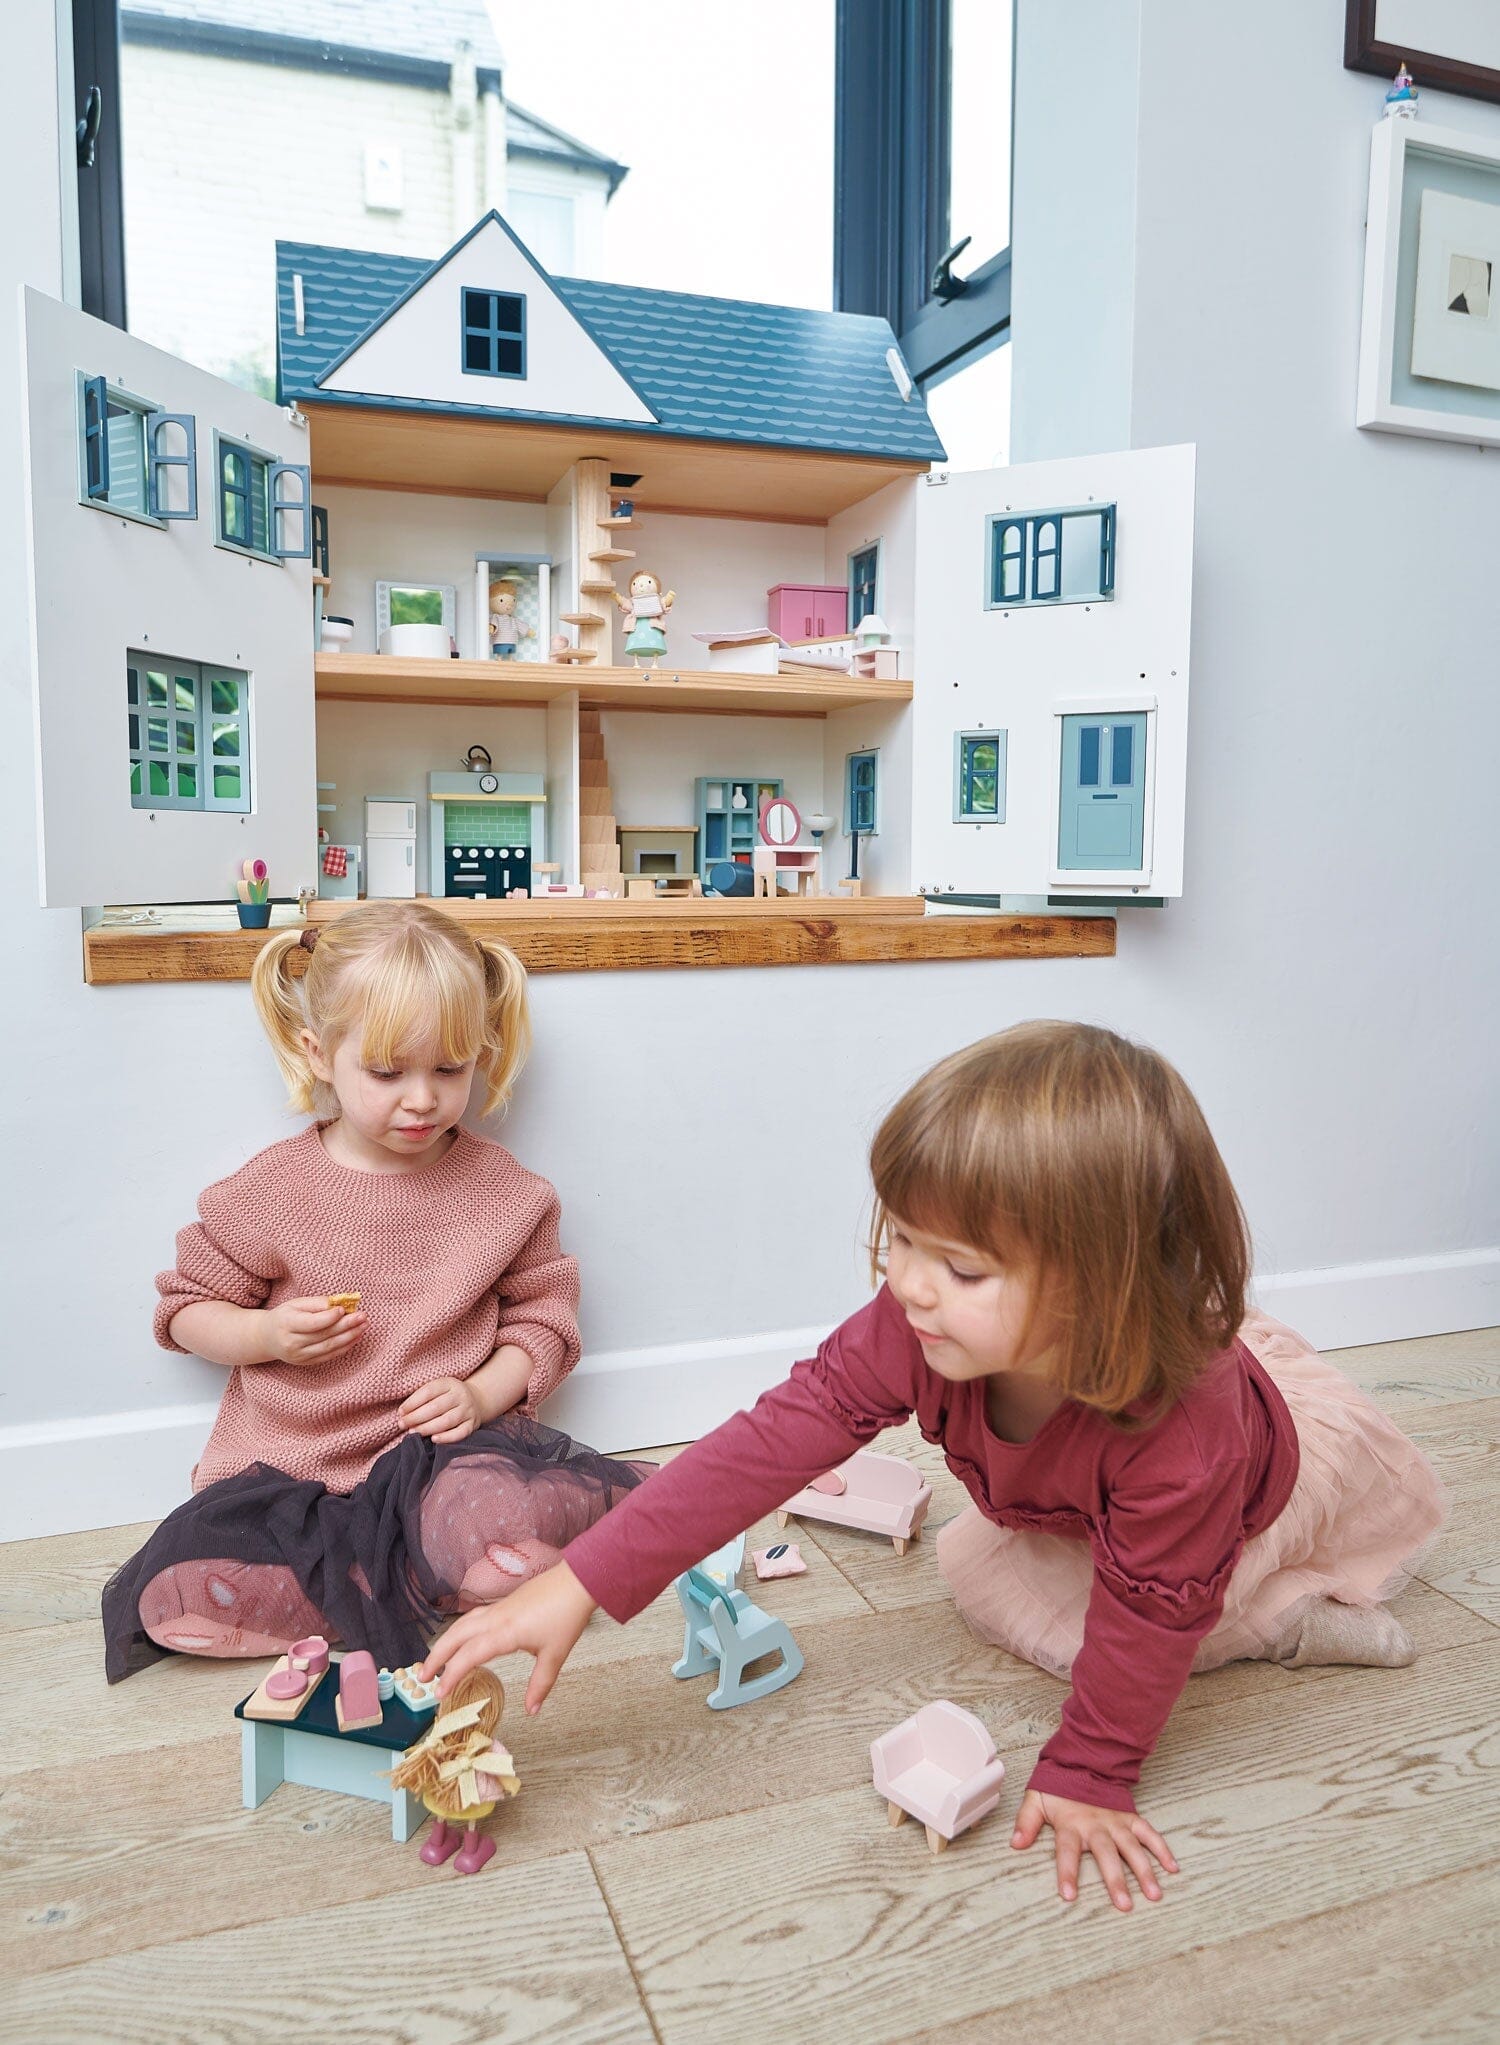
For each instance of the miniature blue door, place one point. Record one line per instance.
(1101, 822)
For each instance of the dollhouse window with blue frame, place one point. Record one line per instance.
(135, 460)
(861, 793)
(494, 333)
(864, 573)
(265, 507)
(189, 734)
(1048, 557)
(979, 777)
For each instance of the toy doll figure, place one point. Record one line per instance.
(1401, 100)
(503, 633)
(645, 610)
(461, 1771)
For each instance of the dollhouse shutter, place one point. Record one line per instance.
(160, 464)
(296, 504)
(96, 437)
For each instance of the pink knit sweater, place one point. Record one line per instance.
(449, 1263)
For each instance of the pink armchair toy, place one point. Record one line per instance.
(939, 1767)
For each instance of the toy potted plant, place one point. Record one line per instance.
(254, 904)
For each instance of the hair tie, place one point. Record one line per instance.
(309, 936)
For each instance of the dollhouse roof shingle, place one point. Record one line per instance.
(709, 368)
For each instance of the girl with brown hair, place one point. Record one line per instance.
(1161, 1481)
(391, 1300)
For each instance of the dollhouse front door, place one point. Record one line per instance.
(1102, 803)
(171, 592)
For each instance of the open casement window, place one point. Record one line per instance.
(265, 505)
(134, 459)
(1062, 712)
(922, 174)
(173, 678)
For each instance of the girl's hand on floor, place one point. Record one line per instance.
(1116, 1839)
(544, 1618)
(446, 1409)
(310, 1330)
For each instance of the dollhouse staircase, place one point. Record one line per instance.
(598, 845)
(596, 557)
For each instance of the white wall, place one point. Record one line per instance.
(721, 569)
(1328, 985)
(413, 536)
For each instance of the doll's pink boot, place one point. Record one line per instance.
(478, 1848)
(441, 1843)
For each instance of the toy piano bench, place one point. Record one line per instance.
(939, 1767)
(877, 1494)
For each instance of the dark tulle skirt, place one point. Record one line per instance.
(385, 1563)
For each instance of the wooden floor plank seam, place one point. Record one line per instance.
(624, 1945)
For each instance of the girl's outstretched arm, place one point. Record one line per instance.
(544, 1618)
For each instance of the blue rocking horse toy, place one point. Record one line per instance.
(724, 1631)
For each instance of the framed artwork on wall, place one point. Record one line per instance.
(1450, 45)
(1429, 346)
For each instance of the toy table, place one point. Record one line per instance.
(312, 1752)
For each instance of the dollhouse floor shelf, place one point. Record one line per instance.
(384, 678)
(574, 936)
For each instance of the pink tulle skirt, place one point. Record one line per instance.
(1365, 1503)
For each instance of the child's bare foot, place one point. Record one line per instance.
(1325, 1633)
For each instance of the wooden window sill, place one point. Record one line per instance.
(572, 936)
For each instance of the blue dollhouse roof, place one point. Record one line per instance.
(708, 368)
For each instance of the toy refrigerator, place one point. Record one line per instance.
(390, 846)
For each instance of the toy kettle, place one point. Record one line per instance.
(478, 760)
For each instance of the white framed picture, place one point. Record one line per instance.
(1429, 347)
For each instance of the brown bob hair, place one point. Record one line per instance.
(1065, 1148)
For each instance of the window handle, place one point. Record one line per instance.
(87, 131)
(944, 284)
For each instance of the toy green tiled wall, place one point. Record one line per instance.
(486, 823)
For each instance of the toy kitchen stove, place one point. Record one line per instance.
(487, 831)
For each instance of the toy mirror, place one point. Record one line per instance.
(780, 822)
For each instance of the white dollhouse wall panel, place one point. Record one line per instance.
(562, 787)
(416, 353)
(103, 585)
(1119, 663)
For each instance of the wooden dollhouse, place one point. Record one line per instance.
(976, 683)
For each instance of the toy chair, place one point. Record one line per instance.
(725, 1631)
(725, 1564)
(939, 1767)
(779, 853)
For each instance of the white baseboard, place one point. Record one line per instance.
(61, 1477)
(1354, 1304)
(66, 1476)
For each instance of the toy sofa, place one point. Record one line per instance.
(879, 1494)
(939, 1767)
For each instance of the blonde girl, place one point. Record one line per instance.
(391, 1300)
(1160, 1482)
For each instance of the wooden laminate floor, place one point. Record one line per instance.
(678, 1874)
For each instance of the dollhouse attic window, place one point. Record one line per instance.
(265, 505)
(494, 333)
(1040, 557)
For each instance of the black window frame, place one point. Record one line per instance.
(101, 207)
(491, 332)
(892, 251)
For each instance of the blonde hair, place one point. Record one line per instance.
(1068, 1149)
(420, 1768)
(398, 977)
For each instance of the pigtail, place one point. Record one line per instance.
(507, 1022)
(278, 1002)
